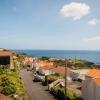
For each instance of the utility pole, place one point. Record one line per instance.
(66, 81)
(75, 62)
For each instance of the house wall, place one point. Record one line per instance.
(11, 63)
(79, 74)
(97, 93)
(35, 66)
(88, 89)
(45, 72)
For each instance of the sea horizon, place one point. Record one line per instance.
(56, 49)
(89, 55)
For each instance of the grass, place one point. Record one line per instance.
(15, 78)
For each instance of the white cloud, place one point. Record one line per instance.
(92, 43)
(75, 10)
(93, 22)
(93, 39)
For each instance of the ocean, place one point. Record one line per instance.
(92, 56)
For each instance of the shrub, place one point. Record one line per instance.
(7, 83)
(52, 78)
(54, 90)
(8, 90)
(60, 92)
(5, 78)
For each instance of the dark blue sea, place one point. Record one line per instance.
(93, 56)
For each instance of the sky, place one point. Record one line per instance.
(50, 24)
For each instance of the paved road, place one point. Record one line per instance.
(35, 90)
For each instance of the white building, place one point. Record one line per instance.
(45, 71)
(43, 67)
(79, 74)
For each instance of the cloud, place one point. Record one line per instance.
(75, 10)
(93, 22)
(92, 43)
(93, 39)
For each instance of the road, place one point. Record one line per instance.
(34, 89)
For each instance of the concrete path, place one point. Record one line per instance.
(35, 90)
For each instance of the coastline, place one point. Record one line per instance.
(91, 56)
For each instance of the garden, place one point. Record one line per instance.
(59, 92)
(11, 84)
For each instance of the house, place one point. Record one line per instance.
(79, 74)
(55, 83)
(6, 59)
(35, 66)
(46, 70)
(91, 85)
(15, 58)
(43, 67)
(61, 71)
(29, 61)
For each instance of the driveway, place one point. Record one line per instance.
(35, 90)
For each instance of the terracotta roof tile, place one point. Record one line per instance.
(61, 70)
(97, 81)
(94, 73)
(5, 53)
(45, 65)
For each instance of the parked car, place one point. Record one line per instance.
(38, 78)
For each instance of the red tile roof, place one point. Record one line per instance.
(94, 73)
(97, 81)
(47, 67)
(61, 70)
(5, 53)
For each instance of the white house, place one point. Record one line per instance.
(91, 85)
(45, 71)
(79, 74)
(43, 67)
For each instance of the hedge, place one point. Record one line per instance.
(60, 93)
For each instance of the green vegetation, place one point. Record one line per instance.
(11, 83)
(20, 57)
(52, 78)
(79, 64)
(10, 80)
(72, 63)
(8, 90)
(44, 58)
(60, 93)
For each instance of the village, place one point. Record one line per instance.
(22, 76)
